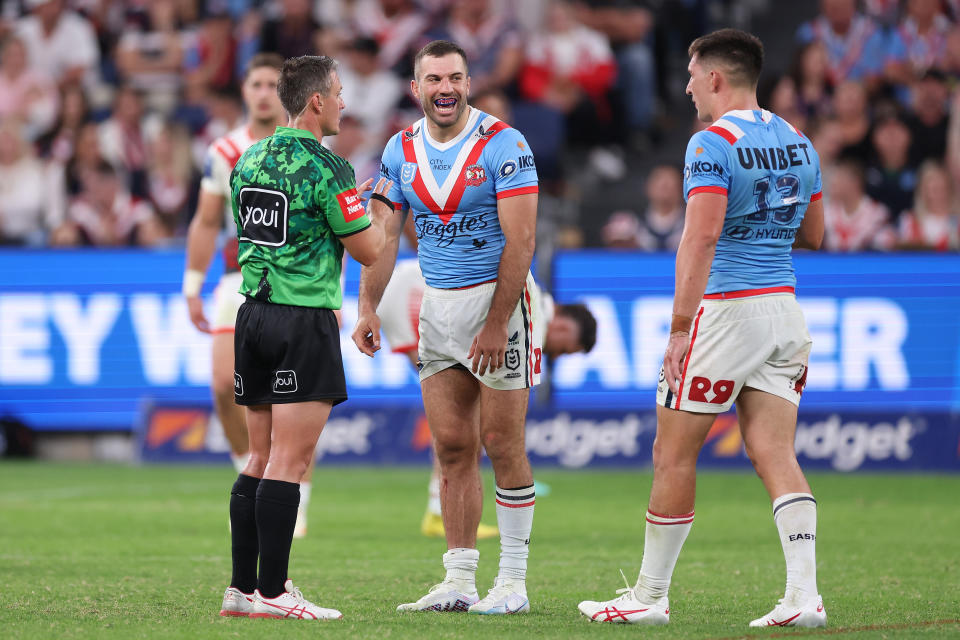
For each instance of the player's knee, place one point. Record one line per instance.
(456, 452)
(222, 384)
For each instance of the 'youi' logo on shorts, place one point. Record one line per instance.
(263, 216)
(285, 381)
(237, 384)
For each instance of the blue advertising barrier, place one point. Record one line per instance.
(577, 439)
(88, 337)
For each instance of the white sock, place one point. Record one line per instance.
(461, 564)
(796, 517)
(661, 548)
(239, 460)
(515, 520)
(433, 491)
(305, 495)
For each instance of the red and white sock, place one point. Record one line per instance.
(795, 515)
(515, 520)
(664, 538)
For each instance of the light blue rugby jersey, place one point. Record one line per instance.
(770, 173)
(452, 188)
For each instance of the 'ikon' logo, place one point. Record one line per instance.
(263, 216)
(285, 381)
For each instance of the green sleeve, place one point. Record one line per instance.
(338, 197)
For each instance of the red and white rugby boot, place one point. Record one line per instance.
(811, 614)
(627, 609)
(290, 604)
(236, 603)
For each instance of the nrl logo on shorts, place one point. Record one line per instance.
(408, 172)
(474, 175)
(513, 359)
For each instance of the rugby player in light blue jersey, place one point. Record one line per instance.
(752, 182)
(470, 182)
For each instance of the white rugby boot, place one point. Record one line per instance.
(627, 608)
(290, 604)
(506, 597)
(810, 614)
(236, 603)
(448, 596)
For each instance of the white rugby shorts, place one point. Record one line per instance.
(757, 341)
(451, 318)
(226, 302)
(399, 309)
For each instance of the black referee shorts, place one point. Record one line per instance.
(284, 354)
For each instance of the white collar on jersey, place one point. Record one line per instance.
(747, 114)
(467, 130)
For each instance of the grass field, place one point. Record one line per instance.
(124, 552)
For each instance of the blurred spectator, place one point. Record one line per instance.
(29, 208)
(621, 231)
(293, 32)
(150, 58)
(105, 215)
(785, 102)
(628, 26)
(885, 12)
(353, 143)
(810, 74)
(490, 38)
(855, 45)
(25, 95)
(170, 178)
(210, 58)
(86, 155)
(494, 103)
(61, 44)
(950, 64)
(123, 138)
(934, 221)
(59, 141)
(929, 120)
(570, 68)
(919, 42)
(369, 92)
(396, 25)
(889, 177)
(852, 112)
(853, 221)
(662, 224)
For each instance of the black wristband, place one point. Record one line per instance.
(382, 198)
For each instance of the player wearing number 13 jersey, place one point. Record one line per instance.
(752, 183)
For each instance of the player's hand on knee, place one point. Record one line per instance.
(366, 334)
(199, 320)
(672, 359)
(488, 350)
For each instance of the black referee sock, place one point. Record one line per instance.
(243, 532)
(277, 503)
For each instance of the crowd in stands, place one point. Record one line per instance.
(107, 106)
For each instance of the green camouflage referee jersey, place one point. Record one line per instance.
(292, 199)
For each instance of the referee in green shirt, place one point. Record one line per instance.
(296, 207)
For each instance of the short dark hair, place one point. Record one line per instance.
(263, 59)
(580, 314)
(302, 77)
(438, 49)
(739, 51)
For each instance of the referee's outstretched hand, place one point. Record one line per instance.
(199, 320)
(366, 334)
